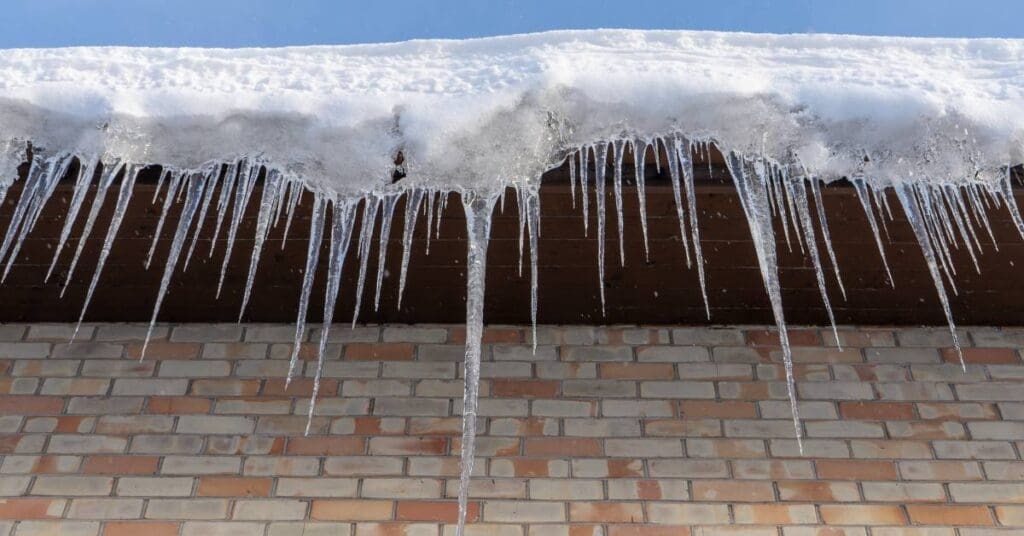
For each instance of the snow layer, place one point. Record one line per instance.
(499, 110)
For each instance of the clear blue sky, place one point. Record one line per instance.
(236, 23)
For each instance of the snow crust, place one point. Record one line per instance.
(475, 113)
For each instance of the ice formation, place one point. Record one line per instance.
(938, 122)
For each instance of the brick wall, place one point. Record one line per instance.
(611, 431)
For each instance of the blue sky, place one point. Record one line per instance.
(236, 23)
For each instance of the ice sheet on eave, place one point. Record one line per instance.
(476, 113)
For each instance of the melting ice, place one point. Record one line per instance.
(937, 125)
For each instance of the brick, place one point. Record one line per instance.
(414, 334)
(166, 444)
(682, 513)
(145, 387)
(597, 353)
(818, 491)
(774, 514)
(31, 508)
(903, 492)
(121, 465)
(209, 424)
(214, 486)
(311, 487)
(200, 465)
(379, 351)
(159, 350)
(132, 528)
(105, 509)
(207, 333)
(732, 491)
(606, 512)
(680, 389)
(219, 528)
(72, 485)
(154, 486)
(861, 514)
(946, 514)
(351, 510)
(269, 510)
(439, 511)
(31, 405)
(187, 509)
(987, 492)
(87, 350)
(86, 444)
(856, 470)
(63, 528)
(522, 511)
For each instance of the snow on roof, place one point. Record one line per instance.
(497, 110)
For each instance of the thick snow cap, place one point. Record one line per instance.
(475, 113)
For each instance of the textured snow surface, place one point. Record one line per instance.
(465, 113)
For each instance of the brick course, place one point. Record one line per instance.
(615, 431)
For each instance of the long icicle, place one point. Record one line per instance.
(106, 179)
(382, 246)
(600, 169)
(754, 200)
(123, 198)
(343, 218)
(825, 234)
(268, 202)
(910, 207)
(316, 234)
(371, 205)
(686, 171)
(82, 182)
(194, 193)
(412, 210)
(639, 168)
(172, 192)
(478, 230)
(243, 192)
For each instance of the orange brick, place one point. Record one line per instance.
(855, 470)
(178, 405)
(861, 514)
(563, 447)
(732, 490)
(134, 528)
(797, 337)
(876, 411)
(30, 508)
(637, 371)
(439, 511)
(299, 387)
(164, 350)
(982, 356)
(31, 405)
(701, 409)
(409, 445)
(354, 510)
(773, 514)
(325, 446)
(648, 530)
(606, 512)
(457, 335)
(121, 465)
(524, 388)
(227, 486)
(948, 514)
(379, 351)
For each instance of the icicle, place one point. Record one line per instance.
(44, 185)
(430, 215)
(295, 195)
(82, 182)
(106, 179)
(571, 160)
(977, 207)
(619, 148)
(672, 151)
(382, 247)
(123, 198)
(316, 233)
(865, 202)
(478, 211)
(271, 191)
(639, 157)
(341, 234)
(194, 194)
(442, 204)
(584, 193)
(754, 200)
(1006, 191)
(247, 182)
(211, 179)
(686, 170)
(600, 168)
(533, 224)
(412, 210)
(963, 227)
(521, 207)
(159, 185)
(912, 210)
(172, 192)
(371, 205)
(798, 193)
(227, 188)
(825, 234)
